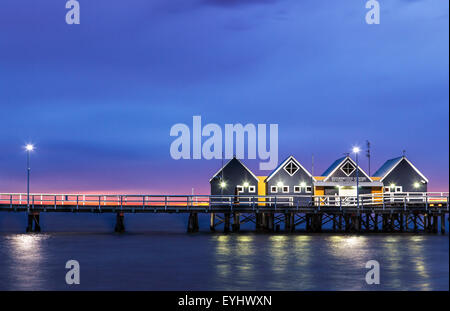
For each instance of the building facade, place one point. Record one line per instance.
(400, 175)
(234, 178)
(291, 182)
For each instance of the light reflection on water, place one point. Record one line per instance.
(224, 262)
(26, 253)
(331, 262)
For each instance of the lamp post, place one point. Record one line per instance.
(28, 148)
(356, 151)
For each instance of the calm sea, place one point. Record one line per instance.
(156, 254)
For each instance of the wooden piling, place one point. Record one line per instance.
(226, 224)
(405, 222)
(30, 223)
(347, 223)
(401, 222)
(212, 219)
(287, 222)
(120, 226)
(258, 222)
(367, 222)
(37, 226)
(270, 222)
(236, 222)
(443, 223)
(435, 223)
(391, 223)
(33, 224)
(292, 217)
(375, 223)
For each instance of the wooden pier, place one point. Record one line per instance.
(405, 212)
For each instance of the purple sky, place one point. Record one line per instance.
(98, 99)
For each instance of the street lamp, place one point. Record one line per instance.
(356, 150)
(28, 148)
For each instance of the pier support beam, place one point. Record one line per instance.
(270, 222)
(33, 222)
(226, 223)
(120, 226)
(375, 223)
(236, 222)
(426, 220)
(192, 223)
(212, 222)
(357, 223)
(443, 223)
(347, 223)
(287, 222)
(292, 217)
(435, 223)
(367, 223)
(258, 222)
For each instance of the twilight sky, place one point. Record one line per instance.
(98, 99)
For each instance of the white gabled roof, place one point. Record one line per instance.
(254, 176)
(340, 164)
(409, 162)
(284, 163)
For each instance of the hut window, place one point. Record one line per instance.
(273, 189)
(240, 189)
(285, 189)
(297, 189)
(387, 189)
(399, 189)
(291, 168)
(348, 168)
(251, 189)
(308, 189)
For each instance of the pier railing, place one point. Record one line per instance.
(16, 201)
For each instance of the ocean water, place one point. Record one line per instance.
(156, 253)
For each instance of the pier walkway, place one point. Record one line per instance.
(399, 212)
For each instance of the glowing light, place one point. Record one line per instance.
(246, 184)
(223, 184)
(280, 184)
(29, 147)
(356, 149)
(392, 185)
(416, 185)
(302, 184)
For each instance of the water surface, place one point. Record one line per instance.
(156, 254)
